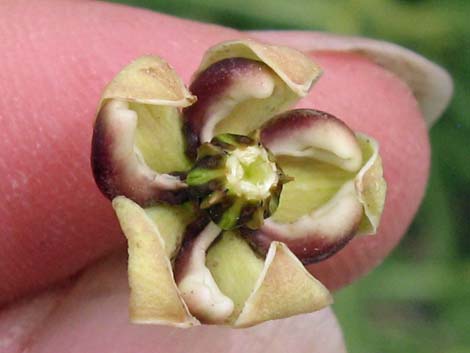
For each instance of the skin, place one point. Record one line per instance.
(56, 58)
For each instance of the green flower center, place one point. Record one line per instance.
(250, 173)
(236, 181)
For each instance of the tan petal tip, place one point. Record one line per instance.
(371, 186)
(149, 80)
(284, 288)
(154, 296)
(297, 70)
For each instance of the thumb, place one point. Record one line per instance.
(91, 316)
(57, 57)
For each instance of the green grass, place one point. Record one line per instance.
(419, 299)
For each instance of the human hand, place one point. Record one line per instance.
(57, 56)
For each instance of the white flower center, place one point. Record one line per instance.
(250, 173)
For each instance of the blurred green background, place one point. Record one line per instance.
(419, 299)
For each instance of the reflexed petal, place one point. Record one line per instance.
(242, 84)
(284, 288)
(154, 296)
(137, 137)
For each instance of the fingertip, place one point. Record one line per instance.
(92, 316)
(377, 102)
(374, 101)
